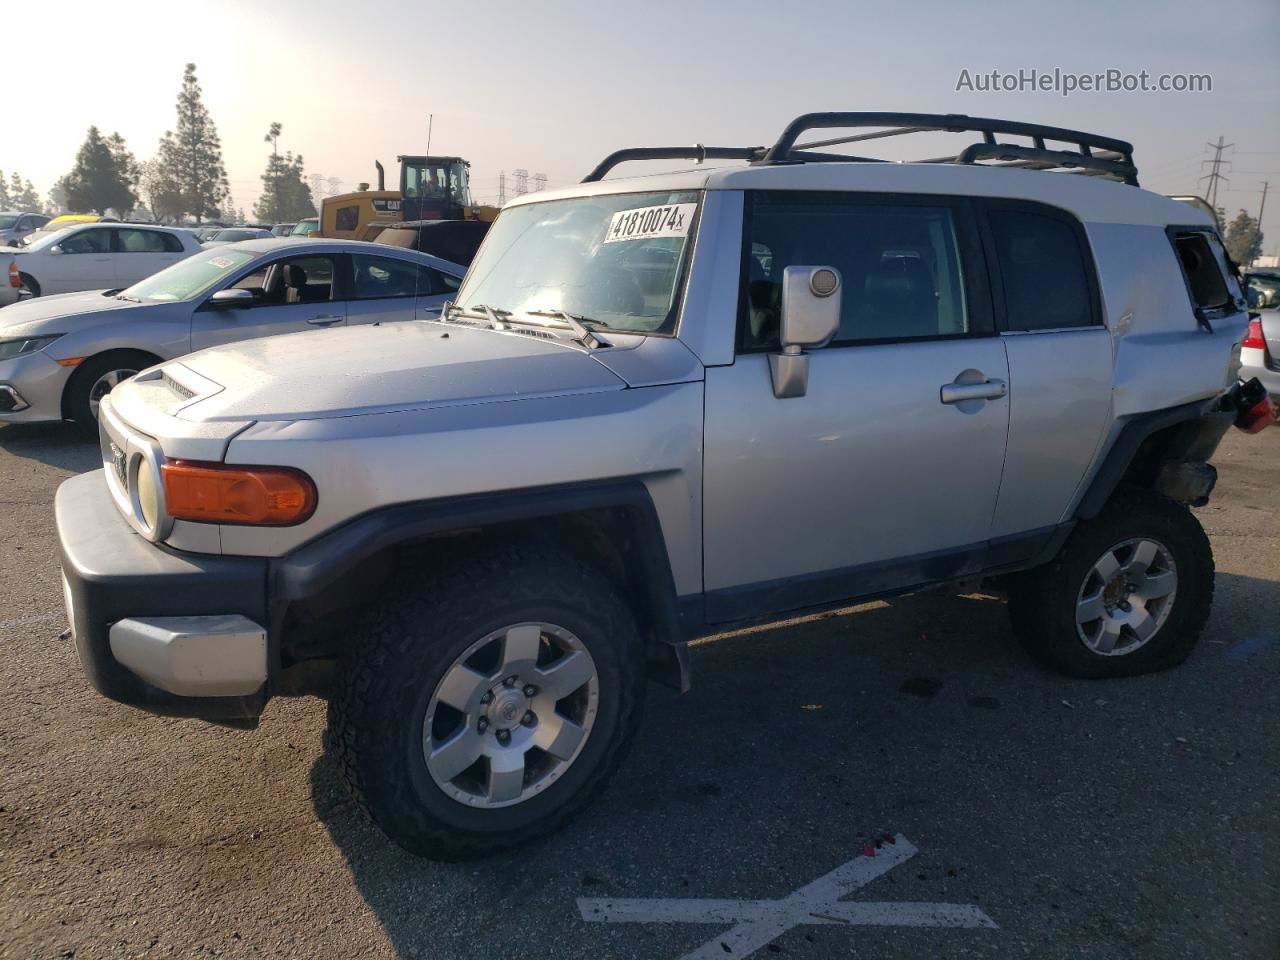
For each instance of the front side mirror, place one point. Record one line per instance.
(810, 318)
(57, 249)
(231, 298)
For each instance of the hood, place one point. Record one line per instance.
(346, 371)
(41, 314)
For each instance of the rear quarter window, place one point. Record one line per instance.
(1206, 284)
(1045, 272)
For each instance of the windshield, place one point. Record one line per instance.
(7, 221)
(188, 278)
(236, 235)
(439, 181)
(615, 259)
(304, 227)
(45, 238)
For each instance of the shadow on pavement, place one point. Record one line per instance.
(799, 742)
(55, 444)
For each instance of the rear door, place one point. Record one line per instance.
(139, 253)
(85, 263)
(390, 288)
(1060, 366)
(879, 476)
(291, 294)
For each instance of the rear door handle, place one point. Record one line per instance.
(325, 320)
(983, 390)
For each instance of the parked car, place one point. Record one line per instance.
(282, 229)
(15, 226)
(236, 235)
(305, 228)
(1263, 288)
(59, 356)
(93, 256)
(1260, 352)
(70, 219)
(854, 380)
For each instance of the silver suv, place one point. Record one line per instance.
(659, 406)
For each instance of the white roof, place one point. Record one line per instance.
(1090, 199)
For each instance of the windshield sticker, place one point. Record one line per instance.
(644, 223)
(221, 262)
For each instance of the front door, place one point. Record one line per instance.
(886, 472)
(290, 294)
(385, 289)
(86, 263)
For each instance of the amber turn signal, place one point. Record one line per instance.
(222, 493)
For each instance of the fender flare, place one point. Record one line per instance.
(320, 563)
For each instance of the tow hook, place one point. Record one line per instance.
(1255, 408)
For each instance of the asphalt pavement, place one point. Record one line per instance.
(894, 780)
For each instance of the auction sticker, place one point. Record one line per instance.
(221, 262)
(644, 223)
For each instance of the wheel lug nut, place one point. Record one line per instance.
(487, 698)
(504, 736)
(482, 725)
(530, 718)
(530, 690)
(509, 682)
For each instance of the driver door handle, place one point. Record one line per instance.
(983, 390)
(325, 319)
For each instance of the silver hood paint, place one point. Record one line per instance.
(347, 371)
(51, 314)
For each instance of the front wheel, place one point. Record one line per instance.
(1129, 593)
(483, 709)
(94, 379)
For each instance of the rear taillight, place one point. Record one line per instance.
(1253, 337)
(14, 279)
(218, 493)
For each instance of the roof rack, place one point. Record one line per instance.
(1093, 155)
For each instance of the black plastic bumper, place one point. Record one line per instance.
(111, 573)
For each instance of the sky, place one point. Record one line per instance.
(552, 87)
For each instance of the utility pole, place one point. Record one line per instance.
(502, 188)
(522, 181)
(1214, 177)
(1263, 206)
(431, 119)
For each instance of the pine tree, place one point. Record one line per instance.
(5, 203)
(286, 198)
(1244, 239)
(191, 157)
(23, 195)
(97, 183)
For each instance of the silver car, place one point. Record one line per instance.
(236, 235)
(16, 225)
(60, 355)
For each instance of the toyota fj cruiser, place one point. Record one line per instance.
(659, 406)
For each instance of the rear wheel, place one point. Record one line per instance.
(486, 708)
(27, 284)
(1129, 592)
(97, 377)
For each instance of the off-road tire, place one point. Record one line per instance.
(395, 660)
(76, 406)
(1042, 601)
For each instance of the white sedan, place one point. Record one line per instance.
(60, 355)
(92, 256)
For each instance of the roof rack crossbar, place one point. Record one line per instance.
(1049, 159)
(697, 152)
(879, 134)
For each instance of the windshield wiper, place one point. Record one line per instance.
(480, 311)
(575, 322)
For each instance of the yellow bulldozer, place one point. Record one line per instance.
(431, 188)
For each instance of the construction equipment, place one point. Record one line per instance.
(431, 188)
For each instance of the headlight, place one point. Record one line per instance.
(147, 495)
(24, 345)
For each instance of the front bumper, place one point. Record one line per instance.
(39, 381)
(122, 592)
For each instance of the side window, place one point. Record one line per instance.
(377, 278)
(1043, 271)
(347, 218)
(144, 241)
(900, 265)
(442, 282)
(170, 243)
(1205, 282)
(294, 280)
(87, 241)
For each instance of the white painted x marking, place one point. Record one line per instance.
(756, 923)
